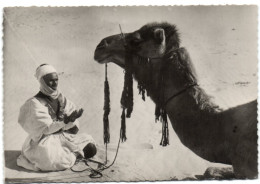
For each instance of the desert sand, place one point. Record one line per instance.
(221, 40)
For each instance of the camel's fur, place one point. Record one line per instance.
(228, 137)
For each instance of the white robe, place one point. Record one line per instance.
(45, 150)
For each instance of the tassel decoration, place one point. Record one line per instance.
(141, 89)
(165, 130)
(127, 95)
(106, 109)
(161, 115)
(160, 112)
(123, 127)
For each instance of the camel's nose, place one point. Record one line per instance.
(107, 44)
(101, 49)
(102, 44)
(109, 41)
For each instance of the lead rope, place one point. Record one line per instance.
(96, 173)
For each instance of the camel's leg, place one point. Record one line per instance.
(243, 141)
(219, 173)
(245, 171)
(245, 161)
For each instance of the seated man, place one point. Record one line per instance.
(50, 119)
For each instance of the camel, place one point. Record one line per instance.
(220, 136)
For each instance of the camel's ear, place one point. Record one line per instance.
(159, 35)
(183, 54)
(136, 36)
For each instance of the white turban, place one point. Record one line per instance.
(44, 70)
(44, 88)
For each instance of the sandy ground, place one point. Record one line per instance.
(222, 42)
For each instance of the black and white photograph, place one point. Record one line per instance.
(130, 93)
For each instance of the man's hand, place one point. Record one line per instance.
(80, 112)
(73, 116)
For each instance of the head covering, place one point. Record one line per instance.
(41, 71)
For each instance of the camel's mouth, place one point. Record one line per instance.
(110, 49)
(103, 60)
(108, 59)
(103, 57)
(100, 57)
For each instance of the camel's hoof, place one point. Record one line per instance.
(219, 173)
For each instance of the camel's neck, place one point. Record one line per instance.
(194, 117)
(198, 124)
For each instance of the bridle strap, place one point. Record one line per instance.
(169, 55)
(179, 93)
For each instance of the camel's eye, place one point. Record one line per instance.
(136, 39)
(136, 42)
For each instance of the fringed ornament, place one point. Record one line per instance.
(160, 112)
(162, 117)
(123, 127)
(106, 109)
(127, 95)
(141, 89)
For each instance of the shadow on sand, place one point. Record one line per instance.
(59, 176)
(10, 161)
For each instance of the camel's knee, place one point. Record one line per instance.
(244, 159)
(246, 172)
(245, 168)
(219, 173)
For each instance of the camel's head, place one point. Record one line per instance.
(151, 41)
(148, 51)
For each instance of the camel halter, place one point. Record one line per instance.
(160, 111)
(148, 61)
(127, 94)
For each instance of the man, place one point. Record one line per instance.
(51, 122)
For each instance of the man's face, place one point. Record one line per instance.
(51, 80)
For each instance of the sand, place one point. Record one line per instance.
(222, 42)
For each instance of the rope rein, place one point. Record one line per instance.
(97, 173)
(179, 93)
(127, 105)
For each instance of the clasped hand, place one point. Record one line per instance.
(73, 116)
